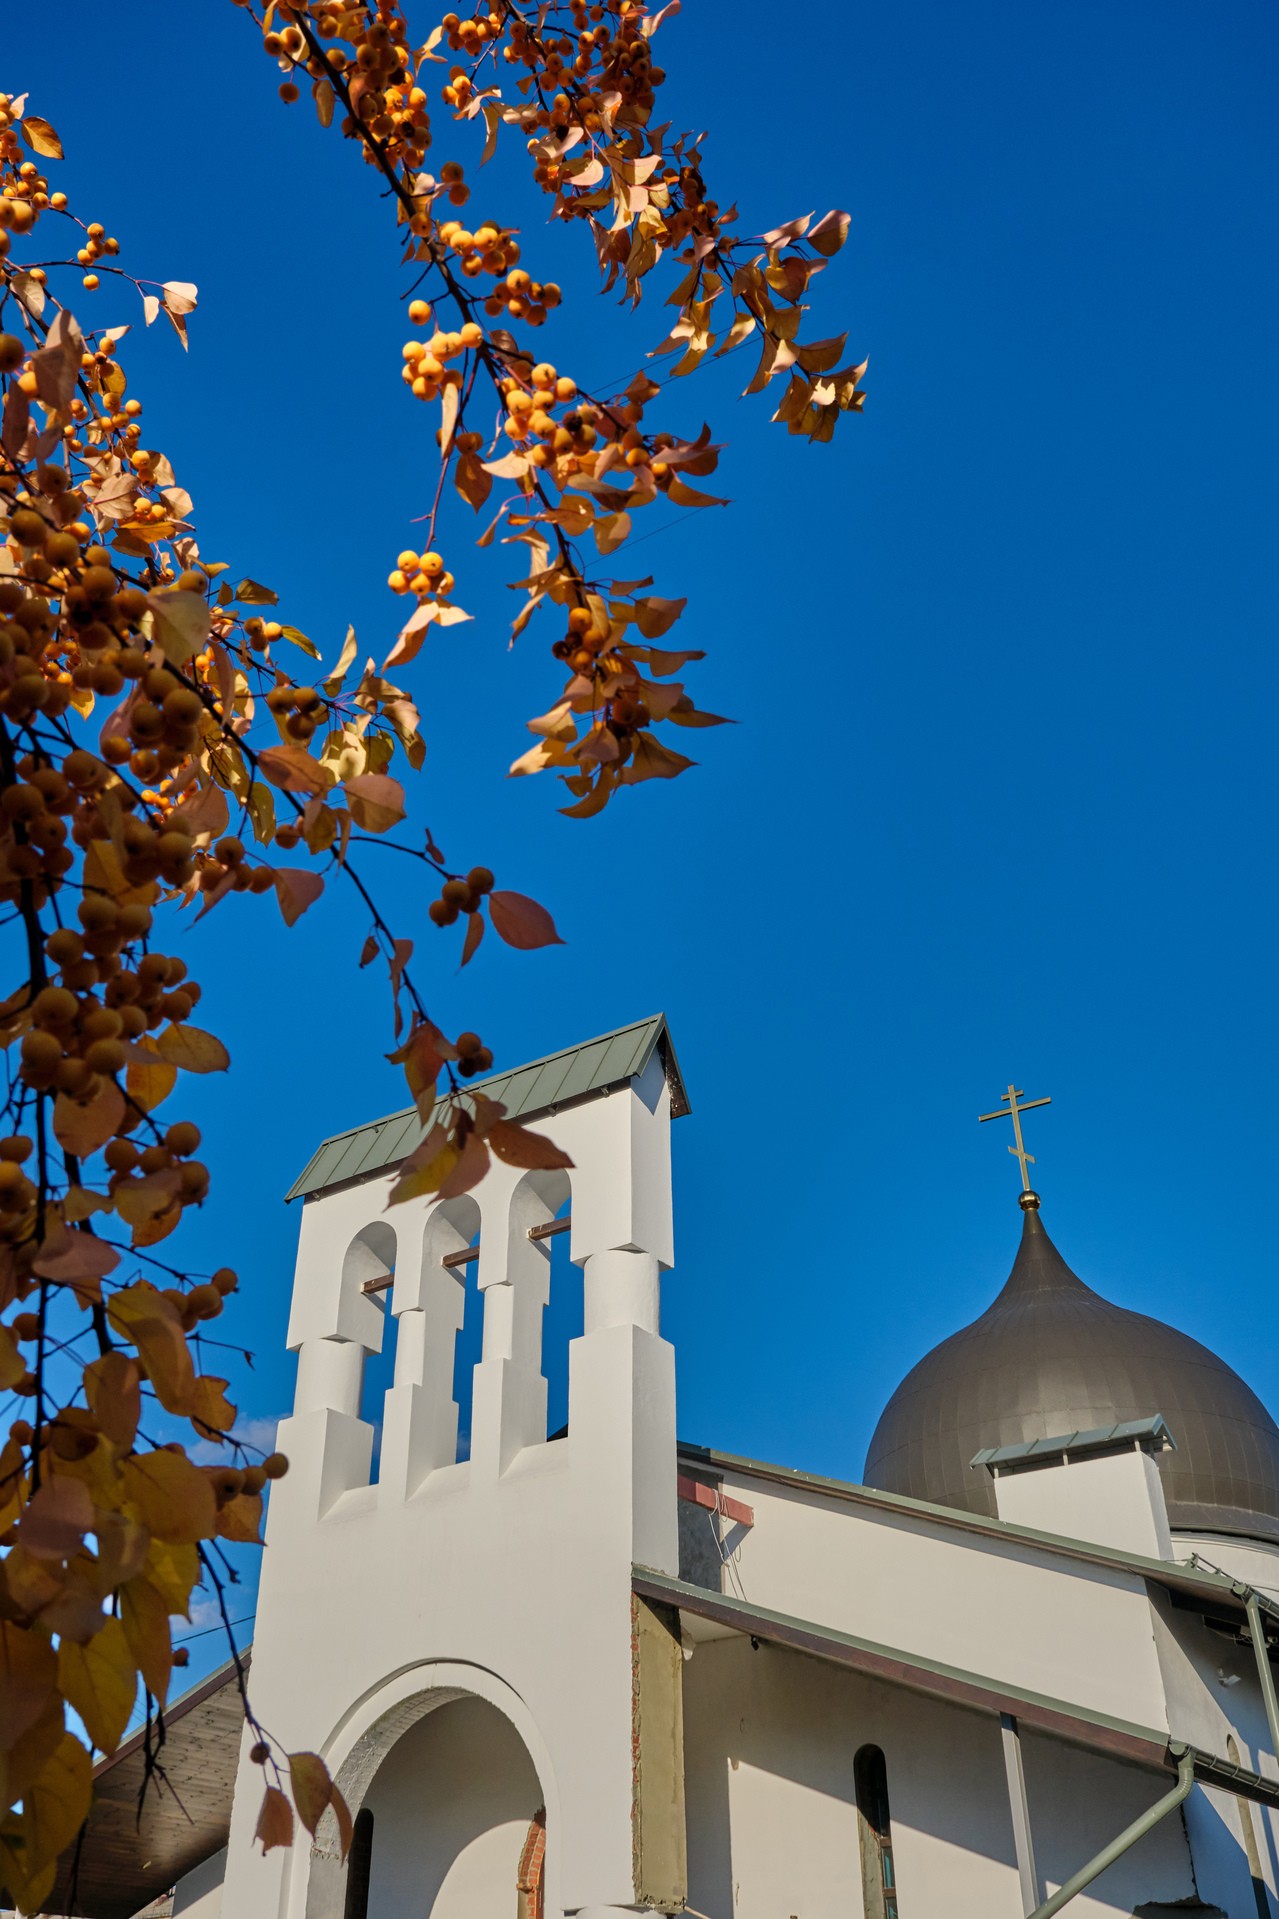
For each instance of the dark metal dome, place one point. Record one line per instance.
(1050, 1356)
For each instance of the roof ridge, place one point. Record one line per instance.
(336, 1159)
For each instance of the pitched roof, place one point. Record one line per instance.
(595, 1066)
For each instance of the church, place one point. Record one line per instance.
(583, 1668)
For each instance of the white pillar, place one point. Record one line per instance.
(622, 1288)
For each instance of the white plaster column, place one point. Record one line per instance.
(622, 1287)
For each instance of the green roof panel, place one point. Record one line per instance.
(596, 1066)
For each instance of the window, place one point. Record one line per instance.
(879, 1881)
(359, 1861)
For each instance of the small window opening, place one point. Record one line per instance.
(467, 1349)
(562, 1321)
(358, 1866)
(875, 1833)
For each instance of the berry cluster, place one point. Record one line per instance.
(422, 573)
(461, 896)
(472, 1055)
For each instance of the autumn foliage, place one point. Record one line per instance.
(160, 749)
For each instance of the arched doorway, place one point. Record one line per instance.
(452, 1805)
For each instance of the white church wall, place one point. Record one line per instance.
(1000, 1607)
(1116, 1499)
(1214, 1698)
(771, 1738)
(451, 1807)
(198, 1894)
(510, 1568)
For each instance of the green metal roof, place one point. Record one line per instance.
(596, 1066)
(1097, 1439)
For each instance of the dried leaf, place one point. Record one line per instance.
(192, 1049)
(144, 1615)
(57, 1518)
(56, 1804)
(312, 1787)
(519, 1146)
(296, 887)
(82, 1129)
(830, 233)
(181, 623)
(293, 770)
(275, 1821)
(28, 1675)
(376, 802)
(151, 1322)
(113, 1388)
(173, 1499)
(522, 922)
(149, 1079)
(41, 138)
(100, 1682)
(474, 934)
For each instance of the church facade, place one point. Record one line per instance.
(1024, 1667)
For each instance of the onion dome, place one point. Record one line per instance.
(1051, 1356)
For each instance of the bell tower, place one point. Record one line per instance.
(505, 1574)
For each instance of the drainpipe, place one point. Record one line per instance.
(1185, 1758)
(1257, 1630)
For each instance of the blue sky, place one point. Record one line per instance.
(1001, 800)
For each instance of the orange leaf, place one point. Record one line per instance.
(241, 1518)
(470, 1169)
(41, 138)
(149, 1079)
(113, 1388)
(522, 922)
(275, 1821)
(142, 1314)
(292, 769)
(474, 934)
(76, 1258)
(100, 1682)
(312, 1787)
(173, 1499)
(54, 1524)
(28, 1676)
(191, 1049)
(295, 888)
(83, 1129)
(422, 1055)
(830, 233)
(210, 1406)
(12, 1365)
(56, 1803)
(375, 800)
(520, 1147)
(144, 1615)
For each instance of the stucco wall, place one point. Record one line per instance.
(199, 1894)
(770, 1741)
(1029, 1618)
(451, 1808)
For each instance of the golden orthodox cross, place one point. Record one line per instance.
(1009, 1108)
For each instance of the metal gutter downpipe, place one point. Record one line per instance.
(1257, 1630)
(1185, 1758)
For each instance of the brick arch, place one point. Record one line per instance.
(529, 1887)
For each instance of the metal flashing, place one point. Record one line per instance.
(578, 1072)
(1098, 1439)
(1177, 1576)
(977, 1692)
